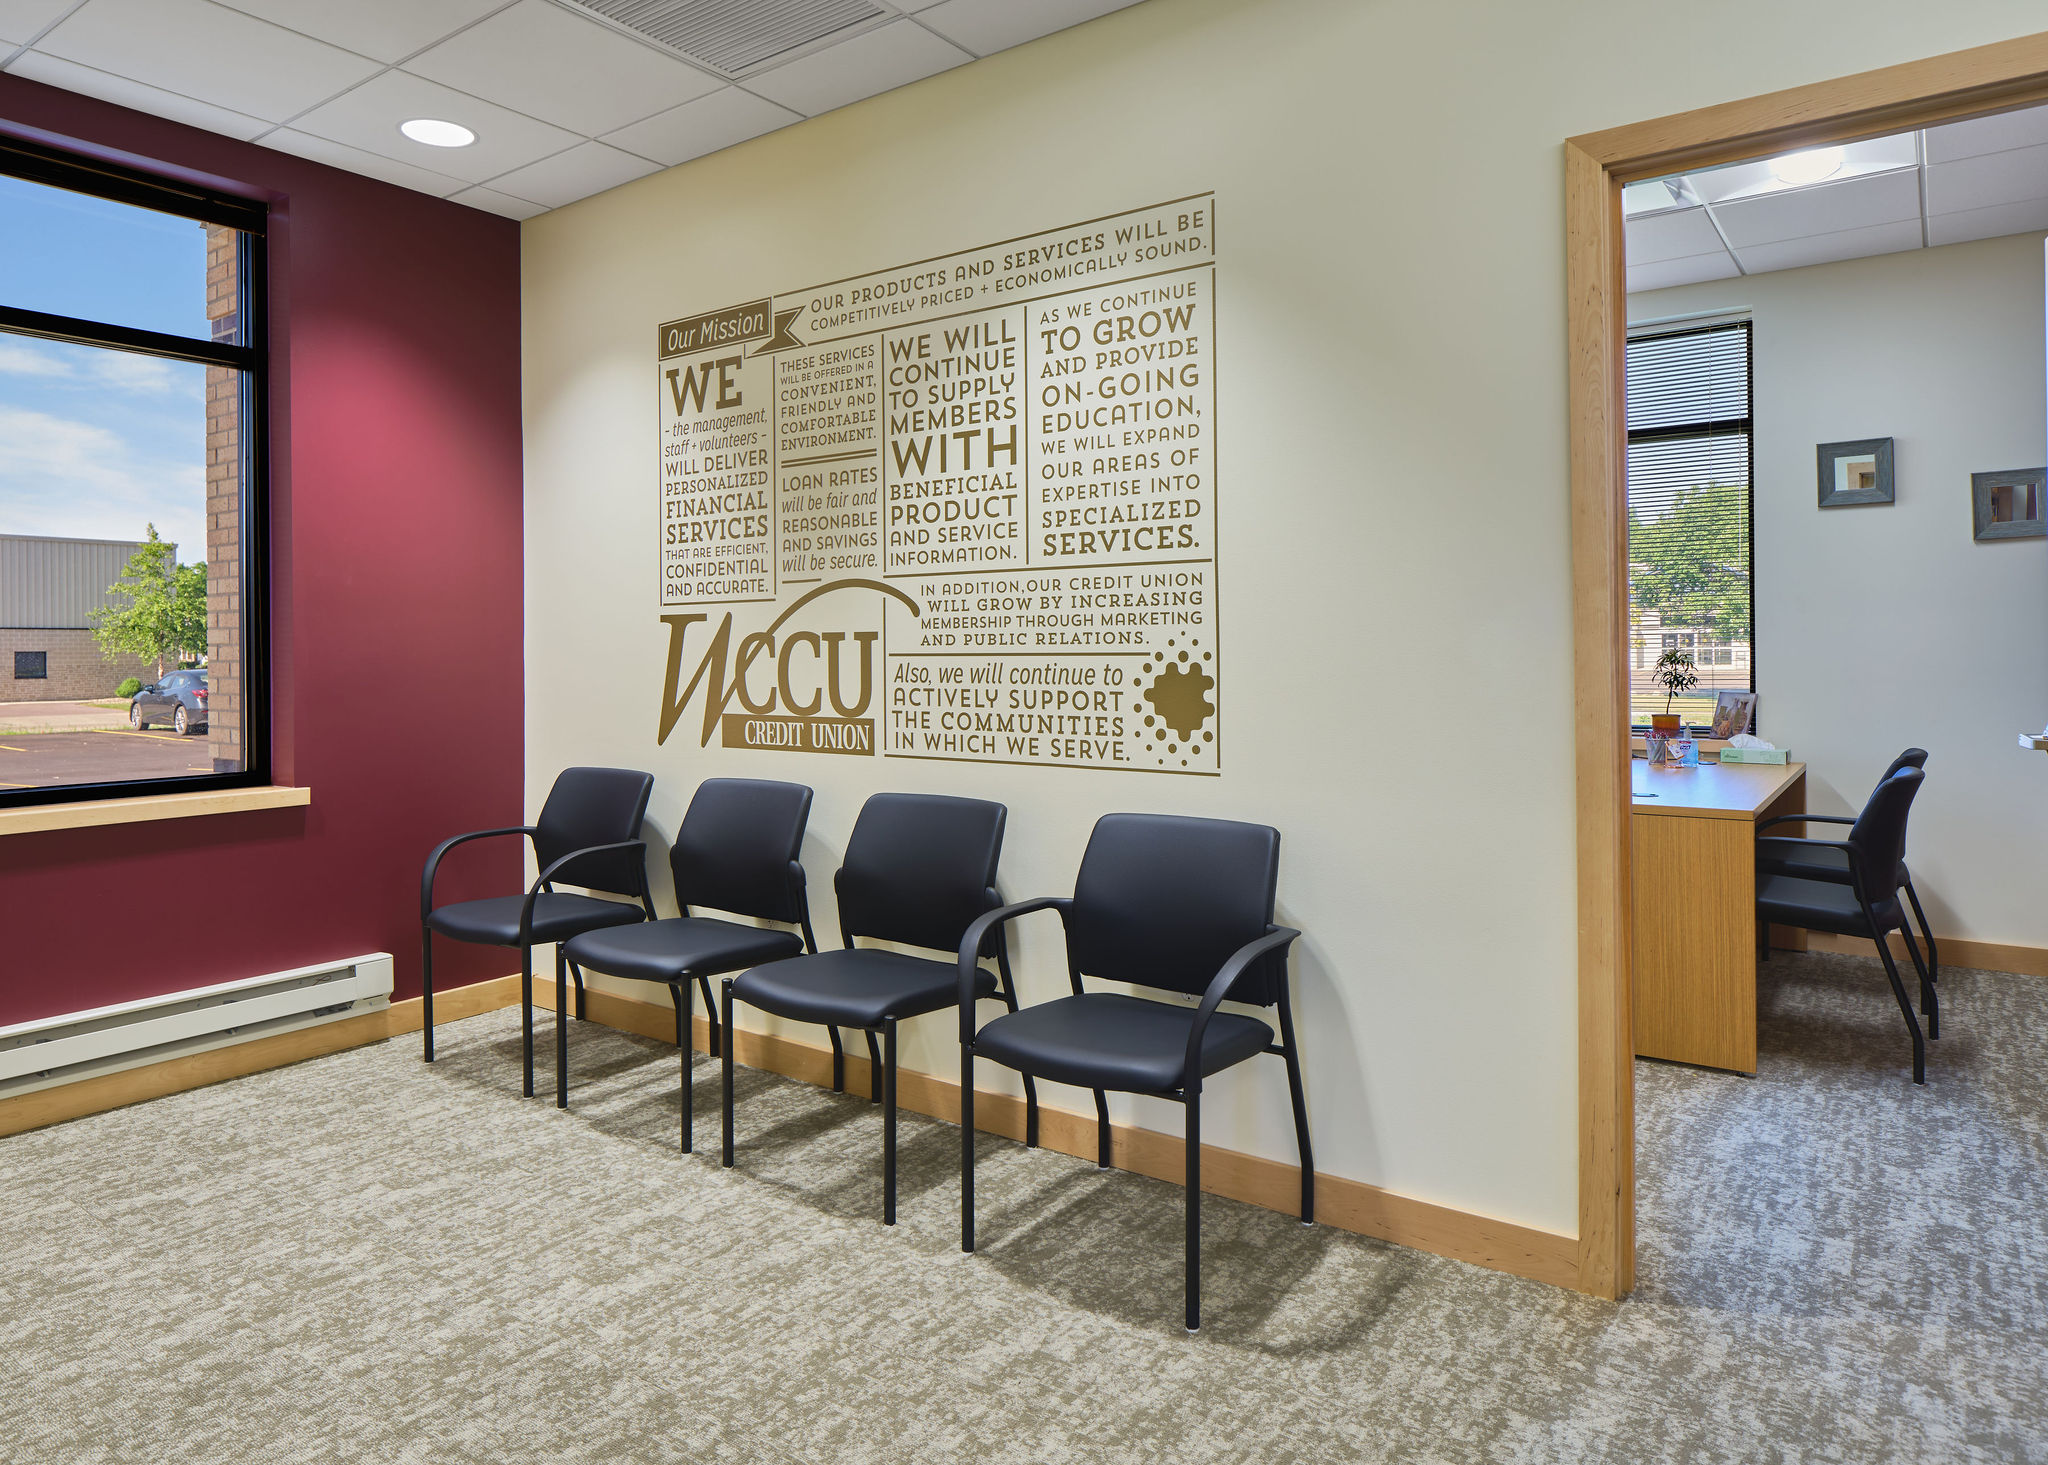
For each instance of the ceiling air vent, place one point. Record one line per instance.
(734, 37)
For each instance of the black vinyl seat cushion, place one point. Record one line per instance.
(1822, 905)
(1803, 862)
(857, 988)
(1108, 1040)
(668, 950)
(556, 917)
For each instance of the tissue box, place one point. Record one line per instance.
(1752, 755)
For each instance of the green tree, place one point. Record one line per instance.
(158, 609)
(1691, 565)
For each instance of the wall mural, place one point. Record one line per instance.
(963, 509)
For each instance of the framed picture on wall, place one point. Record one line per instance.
(1858, 472)
(1734, 712)
(2010, 504)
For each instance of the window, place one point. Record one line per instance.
(1689, 509)
(132, 383)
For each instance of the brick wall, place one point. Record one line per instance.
(77, 670)
(225, 704)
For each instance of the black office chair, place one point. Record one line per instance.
(587, 835)
(736, 851)
(1777, 855)
(919, 869)
(1867, 905)
(1182, 905)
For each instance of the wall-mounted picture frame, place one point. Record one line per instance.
(2010, 504)
(1857, 472)
(1734, 712)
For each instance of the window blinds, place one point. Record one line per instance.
(1689, 501)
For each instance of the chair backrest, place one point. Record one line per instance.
(1162, 901)
(919, 868)
(1911, 758)
(590, 806)
(738, 840)
(1877, 840)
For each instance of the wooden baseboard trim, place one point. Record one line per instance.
(1989, 956)
(197, 1070)
(1350, 1205)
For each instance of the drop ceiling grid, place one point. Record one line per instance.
(574, 140)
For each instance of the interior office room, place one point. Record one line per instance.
(1101, 730)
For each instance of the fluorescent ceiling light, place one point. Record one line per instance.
(1812, 166)
(1656, 195)
(437, 134)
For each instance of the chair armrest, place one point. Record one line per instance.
(434, 861)
(1276, 938)
(1784, 839)
(1805, 819)
(978, 933)
(541, 882)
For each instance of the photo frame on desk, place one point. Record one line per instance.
(1734, 712)
(1858, 472)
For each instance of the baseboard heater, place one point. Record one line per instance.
(75, 1045)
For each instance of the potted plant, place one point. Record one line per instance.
(1674, 674)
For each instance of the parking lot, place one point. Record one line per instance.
(99, 755)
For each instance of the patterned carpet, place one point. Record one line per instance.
(361, 1258)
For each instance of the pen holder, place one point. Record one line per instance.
(1671, 752)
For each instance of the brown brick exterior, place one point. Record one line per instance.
(225, 704)
(77, 670)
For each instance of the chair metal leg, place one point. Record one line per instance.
(561, 1030)
(1930, 999)
(576, 972)
(1101, 1130)
(725, 1156)
(888, 1120)
(1009, 998)
(966, 1148)
(874, 1068)
(710, 1014)
(684, 998)
(1302, 1149)
(1194, 1103)
(1891, 970)
(426, 994)
(526, 1012)
(838, 1061)
(1926, 931)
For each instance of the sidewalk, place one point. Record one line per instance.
(50, 717)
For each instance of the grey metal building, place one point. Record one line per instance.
(48, 591)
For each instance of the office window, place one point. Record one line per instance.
(1689, 503)
(131, 491)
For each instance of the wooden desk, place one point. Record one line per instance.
(1693, 905)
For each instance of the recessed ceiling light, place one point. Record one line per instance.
(1811, 166)
(438, 134)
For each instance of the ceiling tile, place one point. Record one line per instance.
(1978, 182)
(389, 30)
(2030, 217)
(21, 19)
(202, 50)
(1820, 249)
(355, 160)
(1663, 274)
(983, 26)
(493, 202)
(870, 63)
(578, 173)
(575, 73)
(2026, 128)
(1675, 235)
(1830, 208)
(703, 126)
(83, 79)
(368, 118)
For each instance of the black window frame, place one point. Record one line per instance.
(35, 163)
(1745, 426)
(32, 658)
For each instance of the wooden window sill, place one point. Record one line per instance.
(40, 817)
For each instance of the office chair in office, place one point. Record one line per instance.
(1778, 856)
(736, 851)
(1867, 903)
(919, 869)
(1179, 905)
(587, 835)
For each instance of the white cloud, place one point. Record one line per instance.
(96, 366)
(67, 478)
(19, 358)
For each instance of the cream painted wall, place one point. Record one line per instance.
(1887, 626)
(1392, 480)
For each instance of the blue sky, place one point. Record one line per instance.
(97, 443)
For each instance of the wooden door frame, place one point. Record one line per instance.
(1993, 78)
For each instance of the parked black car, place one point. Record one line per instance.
(179, 699)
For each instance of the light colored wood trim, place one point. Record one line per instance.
(1955, 951)
(37, 818)
(197, 1070)
(1992, 78)
(1347, 1204)
(1597, 326)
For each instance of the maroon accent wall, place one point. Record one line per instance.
(396, 651)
